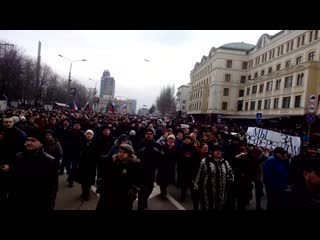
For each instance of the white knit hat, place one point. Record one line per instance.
(172, 136)
(89, 131)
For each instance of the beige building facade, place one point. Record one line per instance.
(275, 77)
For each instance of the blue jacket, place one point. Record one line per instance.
(275, 174)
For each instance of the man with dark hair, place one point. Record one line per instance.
(34, 175)
(62, 134)
(150, 154)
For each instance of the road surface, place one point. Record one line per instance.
(69, 199)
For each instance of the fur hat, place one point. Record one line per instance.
(150, 130)
(35, 133)
(132, 133)
(172, 136)
(126, 147)
(89, 131)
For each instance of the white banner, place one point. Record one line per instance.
(3, 105)
(271, 140)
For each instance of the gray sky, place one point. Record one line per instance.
(172, 55)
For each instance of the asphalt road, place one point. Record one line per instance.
(69, 199)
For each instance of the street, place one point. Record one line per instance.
(69, 199)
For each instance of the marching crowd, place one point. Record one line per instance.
(125, 155)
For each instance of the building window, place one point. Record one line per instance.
(310, 36)
(311, 56)
(248, 91)
(297, 101)
(244, 65)
(243, 79)
(229, 63)
(291, 45)
(315, 34)
(183, 107)
(252, 105)
(267, 103)
(302, 40)
(269, 86)
(276, 103)
(254, 89)
(241, 93)
(270, 70)
(278, 67)
(273, 51)
(288, 46)
(227, 77)
(298, 60)
(224, 105)
(270, 53)
(262, 72)
(281, 50)
(184, 101)
(299, 79)
(278, 51)
(259, 104)
(286, 102)
(298, 42)
(288, 63)
(239, 105)
(261, 88)
(226, 92)
(288, 82)
(278, 84)
(249, 77)
(255, 75)
(246, 106)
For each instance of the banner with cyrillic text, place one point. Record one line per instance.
(270, 139)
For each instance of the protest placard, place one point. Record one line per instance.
(270, 139)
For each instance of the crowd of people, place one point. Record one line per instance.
(125, 155)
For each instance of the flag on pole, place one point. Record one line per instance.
(86, 106)
(112, 108)
(75, 107)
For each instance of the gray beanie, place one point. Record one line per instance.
(126, 147)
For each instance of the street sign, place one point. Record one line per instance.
(73, 91)
(311, 118)
(312, 98)
(311, 108)
(259, 118)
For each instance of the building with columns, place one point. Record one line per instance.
(275, 77)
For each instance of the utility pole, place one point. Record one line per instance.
(38, 90)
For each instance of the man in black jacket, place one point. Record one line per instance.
(150, 155)
(34, 176)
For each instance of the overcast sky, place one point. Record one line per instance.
(172, 55)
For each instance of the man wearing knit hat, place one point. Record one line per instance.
(150, 155)
(34, 176)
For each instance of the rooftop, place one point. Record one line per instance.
(238, 46)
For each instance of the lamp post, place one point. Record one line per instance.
(69, 80)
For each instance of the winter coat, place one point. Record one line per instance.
(87, 166)
(119, 183)
(161, 141)
(275, 174)
(54, 149)
(34, 181)
(61, 134)
(166, 168)
(212, 183)
(185, 164)
(14, 140)
(73, 142)
(150, 155)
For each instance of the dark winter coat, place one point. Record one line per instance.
(72, 144)
(185, 164)
(119, 183)
(14, 140)
(150, 155)
(87, 166)
(212, 183)
(54, 149)
(61, 134)
(34, 181)
(166, 168)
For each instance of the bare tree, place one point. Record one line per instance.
(166, 103)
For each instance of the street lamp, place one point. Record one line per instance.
(69, 81)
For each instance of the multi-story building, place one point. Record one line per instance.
(107, 86)
(131, 104)
(275, 77)
(182, 99)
